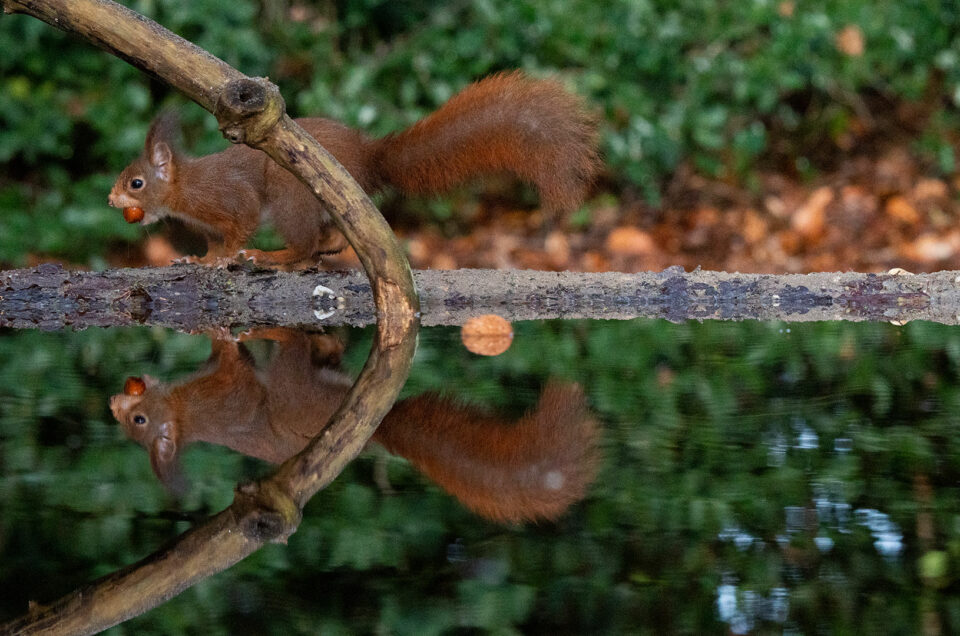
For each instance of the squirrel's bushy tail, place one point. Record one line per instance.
(508, 122)
(534, 468)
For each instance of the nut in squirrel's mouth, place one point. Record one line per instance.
(134, 215)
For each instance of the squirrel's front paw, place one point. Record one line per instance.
(223, 262)
(216, 334)
(221, 333)
(216, 260)
(220, 262)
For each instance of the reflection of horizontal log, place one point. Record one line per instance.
(194, 297)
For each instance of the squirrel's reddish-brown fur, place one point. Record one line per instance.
(506, 123)
(534, 468)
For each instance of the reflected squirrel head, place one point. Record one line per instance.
(146, 415)
(148, 182)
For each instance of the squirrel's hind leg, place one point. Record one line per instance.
(330, 241)
(286, 256)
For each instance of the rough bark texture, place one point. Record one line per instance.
(192, 297)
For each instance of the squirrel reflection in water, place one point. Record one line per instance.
(529, 469)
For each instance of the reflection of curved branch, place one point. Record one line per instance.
(249, 110)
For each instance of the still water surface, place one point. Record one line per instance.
(749, 478)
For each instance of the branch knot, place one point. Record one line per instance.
(266, 511)
(248, 109)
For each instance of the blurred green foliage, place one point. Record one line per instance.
(707, 83)
(716, 437)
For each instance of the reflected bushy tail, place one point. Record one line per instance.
(534, 468)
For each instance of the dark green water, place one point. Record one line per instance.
(759, 478)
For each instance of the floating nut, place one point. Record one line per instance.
(487, 335)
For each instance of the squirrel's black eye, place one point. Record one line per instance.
(136, 184)
(139, 419)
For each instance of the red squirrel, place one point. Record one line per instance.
(531, 469)
(506, 123)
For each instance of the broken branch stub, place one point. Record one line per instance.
(248, 109)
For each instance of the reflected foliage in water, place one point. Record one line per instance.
(754, 477)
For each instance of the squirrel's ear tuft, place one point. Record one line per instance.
(160, 144)
(165, 128)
